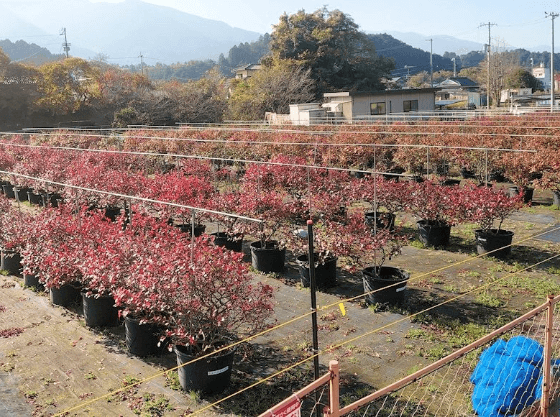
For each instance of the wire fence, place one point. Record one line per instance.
(511, 371)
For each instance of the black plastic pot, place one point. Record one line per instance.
(9, 190)
(325, 273)
(142, 338)
(556, 198)
(382, 220)
(99, 311)
(51, 200)
(66, 295)
(234, 243)
(433, 234)
(34, 198)
(451, 182)
(527, 193)
(466, 173)
(387, 282)
(210, 375)
(32, 281)
(187, 228)
(268, 258)
(11, 261)
(488, 241)
(21, 193)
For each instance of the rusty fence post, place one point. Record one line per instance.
(334, 391)
(547, 362)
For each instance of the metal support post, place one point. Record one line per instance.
(313, 287)
(547, 360)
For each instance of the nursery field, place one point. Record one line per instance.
(365, 187)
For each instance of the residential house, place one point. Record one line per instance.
(458, 89)
(246, 71)
(307, 114)
(515, 94)
(351, 106)
(542, 74)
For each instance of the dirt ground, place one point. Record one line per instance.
(51, 363)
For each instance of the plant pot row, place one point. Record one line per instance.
(208, 375)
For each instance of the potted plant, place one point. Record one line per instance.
(357, 247)
(268, 252)
(324, 255)
(149, 252)
(522, 168)
(50, 255)
(180, 188)
(439, 207)
(550, 179)
(386, 197)
(489, 206)
(14, 231)
(207, 304)
(230, 230)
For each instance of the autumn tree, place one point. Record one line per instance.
(67, 86)
(117, 88)
(328, 43)
(200, 101)
(272, 89)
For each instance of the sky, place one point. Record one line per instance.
(514, 23)
(517, 23)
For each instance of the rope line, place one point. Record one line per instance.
(322, 308)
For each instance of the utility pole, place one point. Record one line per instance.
(488, 85)
(431, 65)
(454, 68)
(552, 16)
(65, 44)
(141, 62)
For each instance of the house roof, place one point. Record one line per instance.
(380, 92)
(458, 81)
(248, 67)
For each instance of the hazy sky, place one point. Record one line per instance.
(518, 23)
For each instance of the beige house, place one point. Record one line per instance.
(351, 106)
(246, 71)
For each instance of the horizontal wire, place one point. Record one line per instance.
(373, 145)
(331, 347)
(131, 197)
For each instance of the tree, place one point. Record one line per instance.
(272, 89)
(419, 80)
(201, 101)
(68, 85)
(329, 43)
(521, 78)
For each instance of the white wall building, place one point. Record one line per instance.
(542, 74)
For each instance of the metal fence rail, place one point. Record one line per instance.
(443, 388)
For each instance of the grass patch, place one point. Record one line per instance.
(488, 300)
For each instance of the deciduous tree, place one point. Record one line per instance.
(272, 89)
(329, 43)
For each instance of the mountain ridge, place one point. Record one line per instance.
(123, 31)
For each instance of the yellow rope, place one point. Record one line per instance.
(91, 401)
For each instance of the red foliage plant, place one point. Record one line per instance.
(488, 205)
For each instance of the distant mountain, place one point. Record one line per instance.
(440, 43)
(122, 31)
(23, 52)
(408, 60)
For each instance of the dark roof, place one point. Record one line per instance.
(462, 81)
(387, 92)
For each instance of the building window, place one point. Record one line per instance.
(410, 105)
(377, 108)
